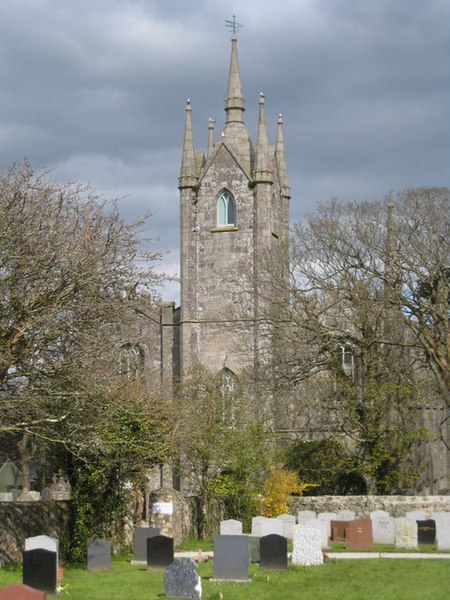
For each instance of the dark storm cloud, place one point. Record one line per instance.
(96, 90)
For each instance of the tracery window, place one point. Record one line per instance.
(131, 361)
(229, 389)
(226, 210)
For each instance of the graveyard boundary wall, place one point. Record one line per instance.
(396, 506)
(20, 520)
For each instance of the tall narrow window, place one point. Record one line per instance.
(226, 210)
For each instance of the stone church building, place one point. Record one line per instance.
(234, 209)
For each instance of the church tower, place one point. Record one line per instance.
(234, 209)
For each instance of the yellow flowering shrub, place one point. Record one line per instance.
(277, 488)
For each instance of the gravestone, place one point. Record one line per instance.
(269, 526)
(253, 547)
(305, 515)
(327, 517)
(442, 520)
(141, 534)
(43, 542)
(231, 557)
(6, 497)
(99, 555)
(383, 527)
(416, 515)
(359, 534)
(273, 552)
(230, 527)
(159, 552)
(40, 570)
(345, 515)
(405, 533)
(181, 580)
(10, 476)
(322, 526)
(288, 525)
(339, 530)
(306, 549)
(257, 525)
(426, 531)
(46, 495)
(21, 592)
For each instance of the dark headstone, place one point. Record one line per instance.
(426, 531)
(40, 570)
(46, 495)
(273, 553)
(231, 557)
(359, 534)
(21, 592)
(99, 555)
(182, 581)
(159, 552)
(141, 534)
(338, 530)
(253, 546)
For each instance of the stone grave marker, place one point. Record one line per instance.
(6, 497)
(253, 547)
(426, 531)
(273, 552)
(322, 526)
(405, 533)
(345, 515)
(46, 495)
(181, 580)
(305, 515)
(327, 517)
(21, 592)
(140, 541)
(159, 552)
(230, 527)
(231, 557)
(442, 520)
(359, 534)
(257, 525)
(383, 527)
(307, 549)
(43, 542)
(339, 530)
(99, 555)
(40, 570)
(416, 515)
(269, 526)
(288, 525)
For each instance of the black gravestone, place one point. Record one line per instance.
(159, 552)
(99, 555)
(231, 557)
(182, 581)
(426, 531)
(40, 570)
(141, 534)
(273, 552)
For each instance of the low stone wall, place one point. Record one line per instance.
(396, 506)
(20, 520)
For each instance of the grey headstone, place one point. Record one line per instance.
(405, 533)
(182, 581)
(141, 534)
(253, 547)
(383, 527)
(273, 552)
(288, 525)
(231, 557)
(416, 515)
(307, 548)
(230, 527)
(40, 570)
(159, 552)
(442, 520)
(46, 495)
(99, 555)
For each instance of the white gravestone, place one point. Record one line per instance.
(321, 526)
(383, 527)
(230, 527)
(345, 515)
(288, 525)
(270, 526)
(257, 525)
(305, 515)
(43, 542)
(442, 520)
(306, 549)
(405, 533)
(327, 517)
(416, 515)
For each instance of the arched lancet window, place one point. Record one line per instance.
(229, 389)
(226, 210)
(131, 361)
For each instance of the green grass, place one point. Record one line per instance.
(377, 579)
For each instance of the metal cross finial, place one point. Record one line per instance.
(232, 25)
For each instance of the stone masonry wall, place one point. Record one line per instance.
(396, 506)
(20, 520)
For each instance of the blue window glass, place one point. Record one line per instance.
(226, 210)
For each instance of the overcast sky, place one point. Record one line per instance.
(96, 91)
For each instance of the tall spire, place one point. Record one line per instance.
(234, 104)
(188, 176)
(263, 171)
(281, 160)
(211, 123)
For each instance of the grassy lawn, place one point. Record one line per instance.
(377, 579)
